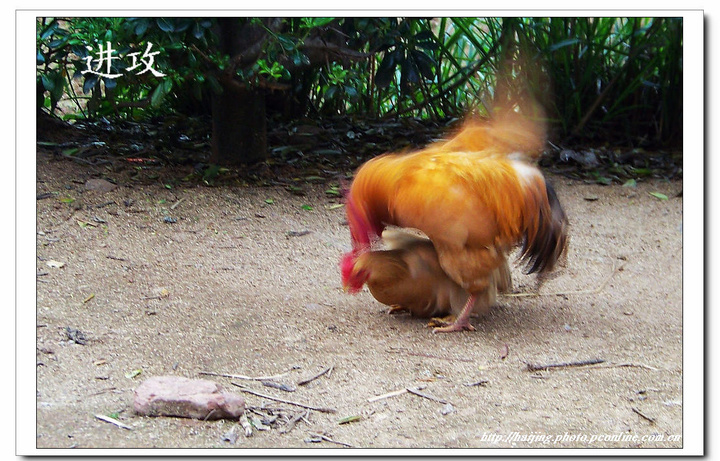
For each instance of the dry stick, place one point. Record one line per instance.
(175, 205)
(628, 365)
(582, 363)
(114, 421)
(575, 292)
(289, 402)
(305, 381)
(328, 439)
(429, 397)
(291, 424)
(635, 410)
(247, 427)
(249, 378)
(393, 394)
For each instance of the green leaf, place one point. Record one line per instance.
(165, 25)
(160, 92)
(141, 26)
(214, 84)
(134, 373)
(49, 30)
(48, 84)
(386, 70)
(658, 195)
(269, 201)
(287, 43)
(350, 419)
(307, 207)
(630, 183)
(604, 180)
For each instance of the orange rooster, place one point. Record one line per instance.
(475, 196)
(407, 277)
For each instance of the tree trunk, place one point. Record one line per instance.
(238, 126)
(238, 113)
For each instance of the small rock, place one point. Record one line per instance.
(76, 336)
(186, 398)
(100, 185)
(231, 436)
(447, 409)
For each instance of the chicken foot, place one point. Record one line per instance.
(462, 322)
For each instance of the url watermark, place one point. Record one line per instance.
(536, 438)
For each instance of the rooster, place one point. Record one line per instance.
(475, 196)
(407, 277)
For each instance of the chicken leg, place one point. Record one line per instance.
(462, 321)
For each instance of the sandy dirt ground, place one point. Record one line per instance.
(245, 281)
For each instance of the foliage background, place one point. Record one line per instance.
(600, 81)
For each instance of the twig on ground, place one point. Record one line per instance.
(628, 365)
(281, 386)
(245, 423)
(209, 414)
(248, 378)
(635, 410)
(289, 402)
(175, 205)
(114, 421)
(313, 378)
(482, 382)
(293, 421)
(582, 363)
(328, 439)
(422, 394)
(393, 394)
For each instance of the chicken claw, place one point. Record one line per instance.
(397, 309)
(455, 326)
(436, 322)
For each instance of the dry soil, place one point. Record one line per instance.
(244, 281)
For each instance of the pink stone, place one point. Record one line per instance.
(187, 398)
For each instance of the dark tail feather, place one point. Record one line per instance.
(550, 241)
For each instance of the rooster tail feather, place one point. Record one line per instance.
(546, 241)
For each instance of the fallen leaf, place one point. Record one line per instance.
(307, 207)
(334, 191)
(630, 183)
(334, 206)
(295, 190)
(350, 419)
(658, 195)
(85, 224)
(55, 264)
(132, 374)
(269, 201)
